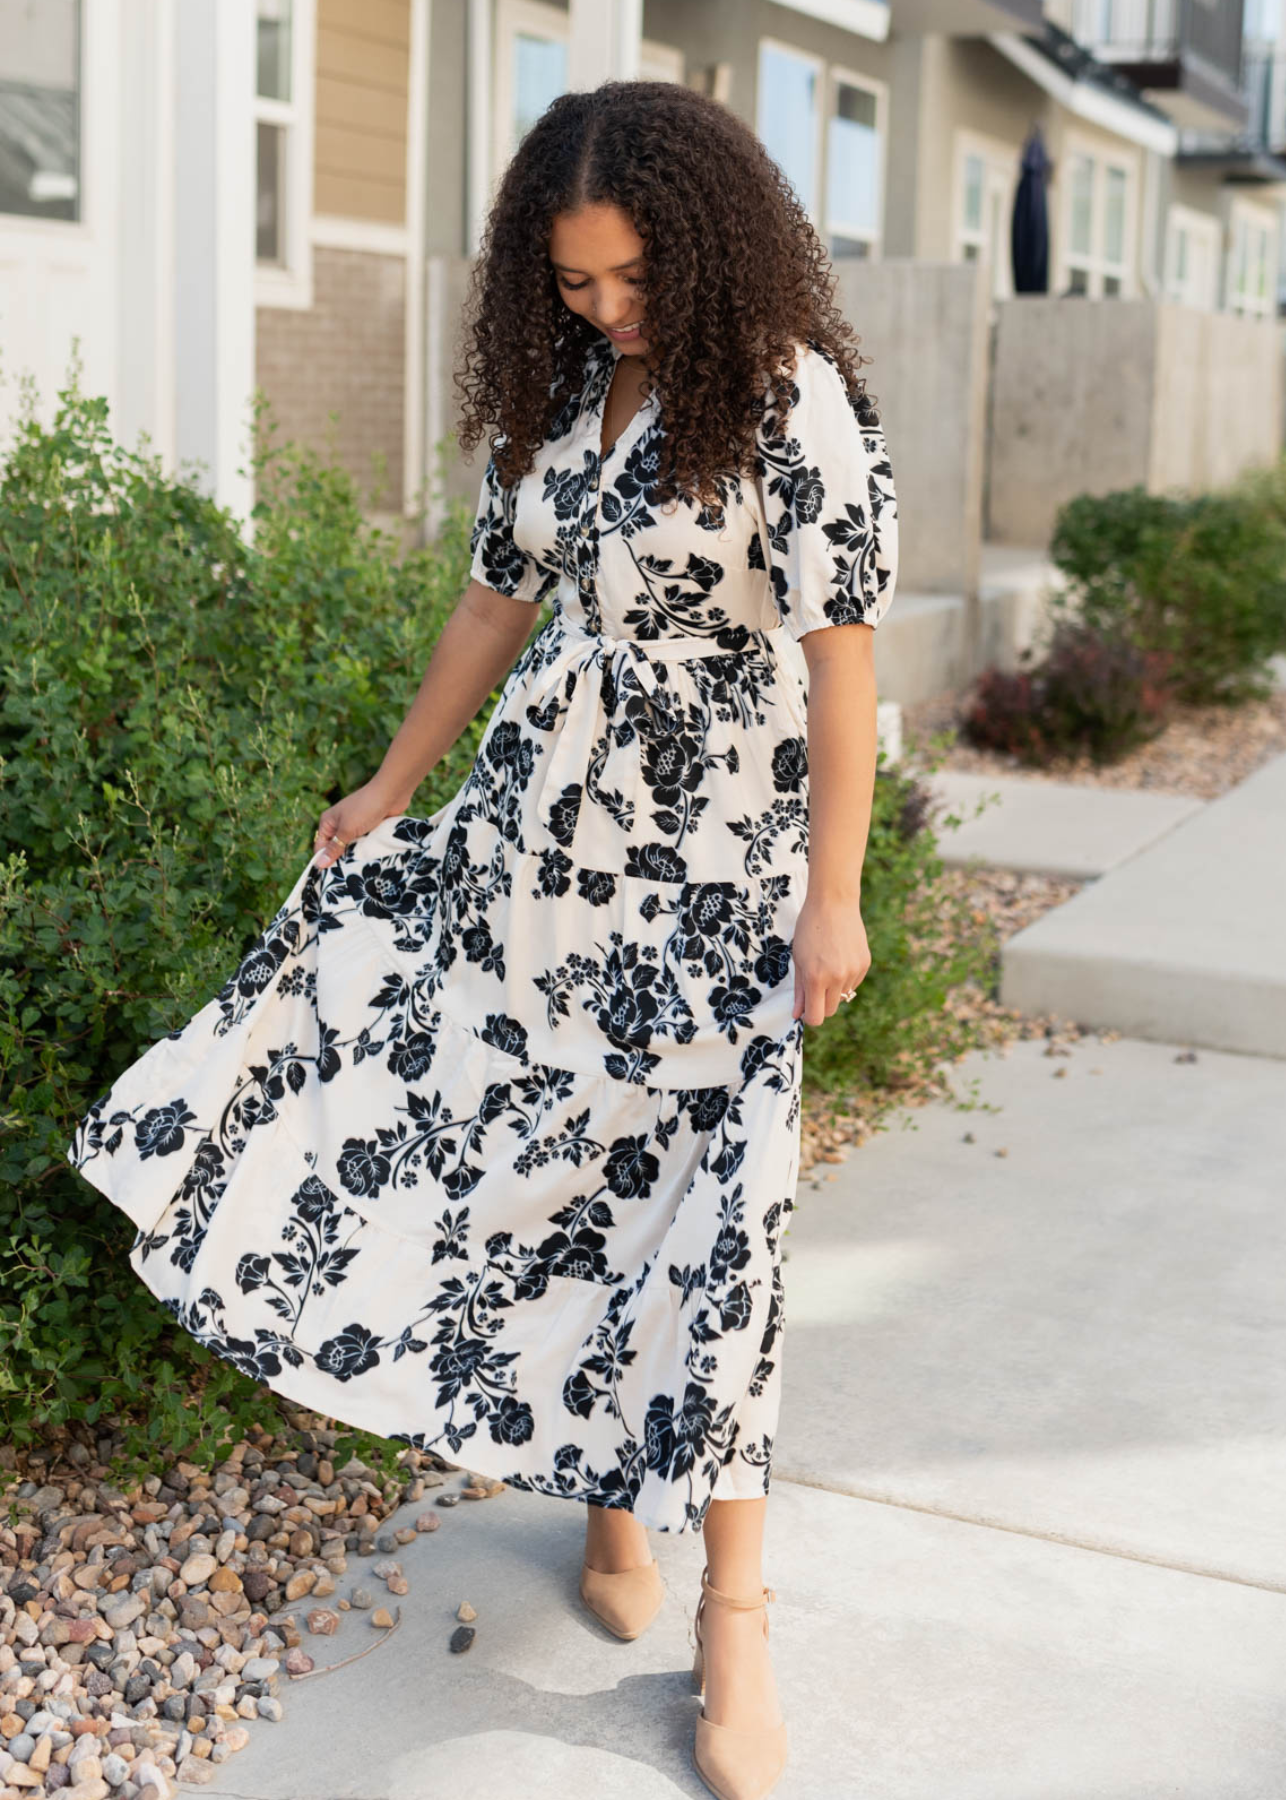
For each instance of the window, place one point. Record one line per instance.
(1082, 228)
(40, 109)
(531, 68)
(788, 116)
(1191, 257)
(1252, 260)
(540, 75)
(855, 167)
(272, 122)
(796, 95)
(970, 237)
(986, 172)
(283, 113)
(1113, 228)
(1098, 224)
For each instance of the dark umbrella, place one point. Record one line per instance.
(1029, 230)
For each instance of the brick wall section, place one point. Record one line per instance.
(345, 355)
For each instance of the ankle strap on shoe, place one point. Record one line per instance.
(732, 1600)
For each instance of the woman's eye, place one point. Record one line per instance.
(575, 287)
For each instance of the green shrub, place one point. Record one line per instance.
(178, 707)
(1201, 581)
(924, 944)
(1091, 695)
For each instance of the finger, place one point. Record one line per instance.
(329, 851)
(815, 1002)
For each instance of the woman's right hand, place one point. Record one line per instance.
(352, 817)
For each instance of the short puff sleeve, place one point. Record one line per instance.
(826, 488)
(499, 562)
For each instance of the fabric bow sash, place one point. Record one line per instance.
(593, 772)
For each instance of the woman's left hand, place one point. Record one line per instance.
(830, 955)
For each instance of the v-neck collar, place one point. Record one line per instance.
(606, 370)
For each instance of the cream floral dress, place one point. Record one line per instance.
(489, 1142)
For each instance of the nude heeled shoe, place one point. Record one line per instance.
(735, 1765)
(627, 1600)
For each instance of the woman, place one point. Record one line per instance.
(488, 1144)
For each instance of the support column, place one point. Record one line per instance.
(213, 243)
(603, 41)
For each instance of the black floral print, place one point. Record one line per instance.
(488, 1143)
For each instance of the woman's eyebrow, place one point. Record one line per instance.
(571, 270)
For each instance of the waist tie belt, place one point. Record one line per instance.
(605, 730)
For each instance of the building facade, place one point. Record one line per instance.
(211, 195)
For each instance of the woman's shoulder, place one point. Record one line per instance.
(814, 394)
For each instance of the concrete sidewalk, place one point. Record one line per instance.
(1051, 827)
(1183, 940)
(1026, 1524)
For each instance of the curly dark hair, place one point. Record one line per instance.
(734, 274)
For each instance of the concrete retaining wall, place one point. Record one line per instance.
(1089, 396)
(925, 327)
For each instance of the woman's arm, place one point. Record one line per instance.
(476, 648)
(829, 949)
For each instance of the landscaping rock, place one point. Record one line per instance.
(139, 1630)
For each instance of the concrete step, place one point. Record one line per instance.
(932, 643)
(1051, 827)
(1181, 942)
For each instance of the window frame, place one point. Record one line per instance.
(1197, 225)
(1000, 170)
(514, 18)
(1261, 220)
(536, 18)
(811, 203)
(838, 74)
(26, 220)
(290, 285)
(1094, 264)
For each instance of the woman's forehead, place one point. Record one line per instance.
(595, 238)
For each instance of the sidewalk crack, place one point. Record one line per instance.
(1206, 1572)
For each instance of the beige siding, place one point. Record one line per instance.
(363, 70)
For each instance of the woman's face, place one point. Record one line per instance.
(598, 261)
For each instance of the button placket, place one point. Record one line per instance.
(589, 531)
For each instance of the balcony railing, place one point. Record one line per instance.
(1264, 85)
(1156, 31)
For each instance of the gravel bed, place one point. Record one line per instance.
(144, 1630)
(1203, 752)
